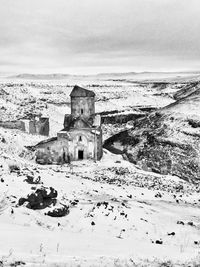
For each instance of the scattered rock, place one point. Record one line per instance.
(31, 179)
(160, 242)
(172, 233)
(180, 222)
(3, 140)
(104, 203)
(158, 195)
(17, 263)
(143, 220)
(14, 168)
(74, 202)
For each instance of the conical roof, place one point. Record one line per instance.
(81, 92)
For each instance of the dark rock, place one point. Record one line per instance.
(179, 187)
(33, 188)
(159, 242)
(21, 201)
(158, 195)
(59, 212)
(104, 203)
(74, 202)
(3, 140)
(31, 179)
(17, 263)
(172, 233)
(14, 168)
(40, 199)
(180, 222)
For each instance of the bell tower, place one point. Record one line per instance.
(82, 102)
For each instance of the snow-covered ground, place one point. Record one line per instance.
(117, 212)
(119, 215)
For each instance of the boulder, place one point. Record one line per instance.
(40, 199)
(32, 180)
(58, 211)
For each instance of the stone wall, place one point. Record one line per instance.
(36, 126)
(68, 146)
(42, 126)
(82, 104)
(12, 125)
(120, 118)
(52, 152)
(79, 140)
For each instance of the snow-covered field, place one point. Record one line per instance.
(119, 215)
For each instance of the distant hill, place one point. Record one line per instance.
(168, 140)
(133, 76)
(40, 76)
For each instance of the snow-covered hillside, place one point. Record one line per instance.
(168, 140)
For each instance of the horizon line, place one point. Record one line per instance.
(97, 73)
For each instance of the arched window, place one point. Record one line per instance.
(81, 111)
(80, 138)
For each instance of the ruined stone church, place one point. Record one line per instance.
(81, 137)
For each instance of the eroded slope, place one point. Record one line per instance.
(166, 141)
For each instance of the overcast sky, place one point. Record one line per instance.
(89, 36)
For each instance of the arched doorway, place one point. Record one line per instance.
(81, 146)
